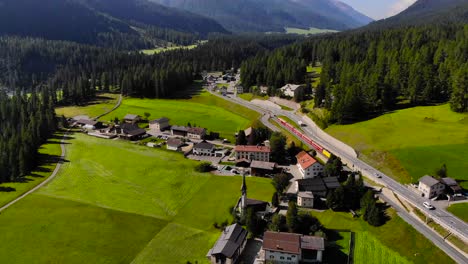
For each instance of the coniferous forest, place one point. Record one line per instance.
(367, 73)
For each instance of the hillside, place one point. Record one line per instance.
(427, 12)
(274, 15)
(96, 21)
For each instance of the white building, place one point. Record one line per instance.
(289, 89)
(288, 248)
(308, 166)
(305, 199)
(174, 144)
(430, 187)
(239, 89)
(196, 133)
(260, 153)
(160, 124)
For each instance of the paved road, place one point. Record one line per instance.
(51, 177)
(440, 216)
(117, 105)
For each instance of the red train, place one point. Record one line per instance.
(304, 137)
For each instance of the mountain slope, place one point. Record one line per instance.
(274, 15)
(86, 21)
(426, 12)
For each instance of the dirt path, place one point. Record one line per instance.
(117, 105)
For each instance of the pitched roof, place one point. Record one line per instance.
(248, 131)
(282, 242)
(160, 120)
(263, 165)
(87, 122)
(263, 149)
(305, 160)
(131, 117)
(428, 181)
(312, 243)
(253, 202)
(331, 182)
(196, 130)
(452, 183)
(174, 142)
(132, 130)
(230, 241)
(179, 128)
(204, 145)
(312, 185)
(291, 87)
(305, 194)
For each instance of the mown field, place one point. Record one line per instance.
(310, 31)
(396, 239)
(116, 202)
(102, 104)
(164, 49)
(460, 210)
(204, 109)
(410, 143)
(48, 157)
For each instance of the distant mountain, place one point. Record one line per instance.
(274, 15)
(427, 12)
(86, 21)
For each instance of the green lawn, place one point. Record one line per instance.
(205, 110)
(48, 154)
(460, 210)
(164, 49)
(400, 240)
(368, 249)
(102, 104)
(41, 229)
(310, 31)
(251, 96)
(411, 143)
(115, 190)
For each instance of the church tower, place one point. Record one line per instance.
(244, 194)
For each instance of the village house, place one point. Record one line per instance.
(261, 208)
(130, 131)
(452, 185)
(263, 90)
(204, 148)
(262, 168)
(308, 166)
(229, 245)
(239, 89)
(285, 248)
(180, 131)
(260, 153)
(305, 199)
(174, 144)
(160, 124)
(132, 119)
(248, 132)
(89, 124)
(289, 89)
(430, 187)
(196, 133)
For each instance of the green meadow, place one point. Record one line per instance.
(204, 110)
(164, 49)
(394, 242)
(460, 210)
(101, 104)
(408, 144)
(310, 31)
(117, 202)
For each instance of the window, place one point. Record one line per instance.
(281, 257)
(288, 258)
(272, 257)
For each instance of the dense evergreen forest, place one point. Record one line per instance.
(370, 72)
(26, 122)
(78, 71)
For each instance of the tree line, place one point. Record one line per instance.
(26, 122)
(366, 73)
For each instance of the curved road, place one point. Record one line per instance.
(440, 216)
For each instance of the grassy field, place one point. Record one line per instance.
(48, 157)
(369, 249)
(251, 96)
(205, 110)
(410, 143)
(460, 210)
(102, 104)
(164, 49)
(395, 236)
(138, 204)
(310, 31)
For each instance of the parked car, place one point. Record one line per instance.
(428, 205)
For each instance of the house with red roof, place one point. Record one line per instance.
(308, 166)
(292, 248)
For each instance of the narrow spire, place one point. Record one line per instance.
(244, 185)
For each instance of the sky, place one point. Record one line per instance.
(378, 9)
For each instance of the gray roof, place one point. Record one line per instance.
(87, 122)
(132, 130)
(263, 165)
(312, 185)
(428, 181)
(230, 241)
(305, 194)
(160, 120)
(204, 145)
(331, 182)
(174, 142)
(179, 128)
(313, 243)
(449, 181)
(131, 117)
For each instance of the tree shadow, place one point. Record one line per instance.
(334, 252)
(7, 189)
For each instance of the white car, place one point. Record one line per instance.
(428, 205)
